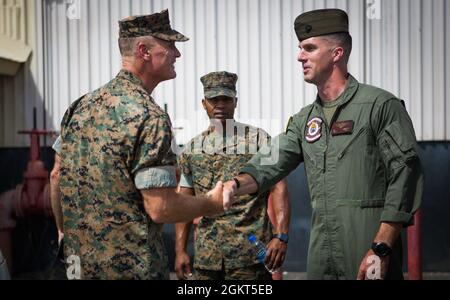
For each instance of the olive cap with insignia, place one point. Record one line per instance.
(156, 25)
(219, 84)
(320, 22)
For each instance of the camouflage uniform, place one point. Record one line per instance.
(222, 241)
(115, 142)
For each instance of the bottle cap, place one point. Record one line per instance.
(252, 239)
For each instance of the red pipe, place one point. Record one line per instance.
(28, 199)
(415, 269)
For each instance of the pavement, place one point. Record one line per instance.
(302, 276)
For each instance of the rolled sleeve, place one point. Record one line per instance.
(57, 145)
(390, 216)
(186, 181)
(157, 177)
(400, 155)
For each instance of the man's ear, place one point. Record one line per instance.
(143, 51)
(338, 54)
(204, 103)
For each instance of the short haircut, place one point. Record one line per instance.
(342, 39)
(127, 46)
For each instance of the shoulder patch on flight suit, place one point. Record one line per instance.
(289, 124)
(314, 131)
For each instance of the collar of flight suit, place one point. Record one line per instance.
(350, 91)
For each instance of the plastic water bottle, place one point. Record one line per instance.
(260, 251)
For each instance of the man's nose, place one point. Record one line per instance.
(301, 57)
(177, 53)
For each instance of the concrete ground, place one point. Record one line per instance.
(302, 276)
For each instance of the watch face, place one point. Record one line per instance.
(381, 249)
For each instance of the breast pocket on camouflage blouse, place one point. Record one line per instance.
(203, 176)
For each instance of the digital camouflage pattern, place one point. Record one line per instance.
(224, 238)
(219, 84)
(364, 171)
(156, 25)
(107, 137)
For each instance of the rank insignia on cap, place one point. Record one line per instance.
(314, 131)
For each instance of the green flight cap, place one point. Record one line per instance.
(219, 84)
(320, 22)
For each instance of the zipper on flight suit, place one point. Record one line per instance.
(328, 132)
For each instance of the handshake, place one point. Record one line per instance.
(224, 193)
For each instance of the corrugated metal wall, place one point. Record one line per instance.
(408, 53)
(253, 38)
(403, 47)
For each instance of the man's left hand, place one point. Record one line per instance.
(275, 254)
(369, 270)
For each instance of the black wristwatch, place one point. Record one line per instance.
(282, 237)
(238, 183)
(381, 249)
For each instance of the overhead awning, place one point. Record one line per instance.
(13, 53)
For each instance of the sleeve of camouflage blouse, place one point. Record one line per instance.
(57, 145)
(186, 180)
(154, 165)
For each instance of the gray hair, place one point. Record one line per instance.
(128, 46)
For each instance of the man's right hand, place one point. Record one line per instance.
(229, 194)
(183, 266)
(217, 195)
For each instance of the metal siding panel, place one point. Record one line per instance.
(244, 72)
(415, 50)
(288, 62)
(255, 39)
(105, 41)
(266, 48)
(356, 14)
(94, 45)
(255, 61)
(389, 59)
(427, 78)
(276, 99)
(447, 70)
(405, 57)
(115, 16)
(438, 118)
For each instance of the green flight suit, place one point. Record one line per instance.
(367, 172)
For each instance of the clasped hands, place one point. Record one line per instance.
(225, 193)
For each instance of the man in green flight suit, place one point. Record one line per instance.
(222, 249)
(361, 159)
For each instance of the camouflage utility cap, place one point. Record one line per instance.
(156, 25)
(320, 22)
(219, 84)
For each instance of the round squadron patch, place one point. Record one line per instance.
(314, 131)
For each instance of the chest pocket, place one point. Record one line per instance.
(203, 176)
(362, 142)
